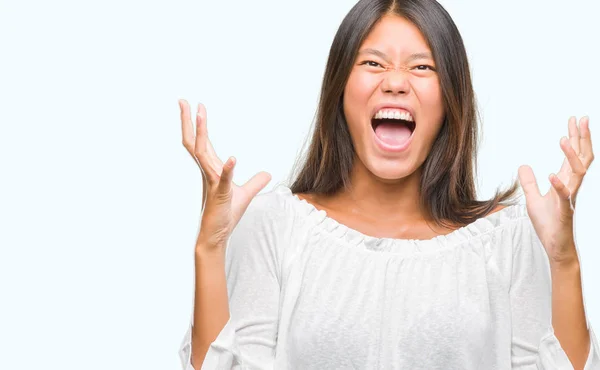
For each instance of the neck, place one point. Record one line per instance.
(387, 200)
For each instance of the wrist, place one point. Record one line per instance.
(567, 258)
(567, 263)
(209, 250)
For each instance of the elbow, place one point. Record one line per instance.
(197, 357)
(579, 360)
(199, 350)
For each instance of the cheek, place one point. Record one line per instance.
(360, 87)
(431, 104)
(429, 92)
(357, 93)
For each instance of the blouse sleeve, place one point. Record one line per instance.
(534, 345)
(252, 268)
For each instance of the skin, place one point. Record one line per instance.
(383, 200)
(552, 216)
(223, 203)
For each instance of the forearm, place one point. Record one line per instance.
(211, 305)
(568, 314)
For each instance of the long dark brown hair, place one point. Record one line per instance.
(448, 189)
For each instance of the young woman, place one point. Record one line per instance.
(379, 255)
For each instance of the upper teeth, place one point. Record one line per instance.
(394, 114)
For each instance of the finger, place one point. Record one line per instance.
(213, 159)
(578, 170)
(201, 130)
(528, 183)
(565, 169)
(187, 127)
(567, 202)
(217, 163)
(252, 187)
(574, 134)
(586, 142)
(200, 148)
(224, 186)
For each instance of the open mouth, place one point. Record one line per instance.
(393, 135)
(375, 122)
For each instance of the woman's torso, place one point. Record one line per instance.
(350, 300)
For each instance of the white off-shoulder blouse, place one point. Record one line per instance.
(306, 292)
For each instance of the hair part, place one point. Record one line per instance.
(447, 183)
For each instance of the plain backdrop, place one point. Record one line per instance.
(100, 202)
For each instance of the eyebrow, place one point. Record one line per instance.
(382, 55)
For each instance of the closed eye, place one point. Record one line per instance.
(370, 61)
(426, 66)
(419, 67)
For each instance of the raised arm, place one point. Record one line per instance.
(223, 205)
(211, 304)
(253, 278)
(535, 345)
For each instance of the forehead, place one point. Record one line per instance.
(395, 35)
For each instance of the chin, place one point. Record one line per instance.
(390, 171)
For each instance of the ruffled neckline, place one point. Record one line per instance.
(480, 226)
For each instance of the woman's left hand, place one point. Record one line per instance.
(552, 214)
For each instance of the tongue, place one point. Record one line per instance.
(392, 133)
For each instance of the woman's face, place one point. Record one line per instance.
(393, 68)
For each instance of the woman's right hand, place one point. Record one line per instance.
(223, 202)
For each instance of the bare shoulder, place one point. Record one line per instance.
(301, 195)
(310, 198)
(498, 208)
(317, 201)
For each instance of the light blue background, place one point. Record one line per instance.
(100, 202)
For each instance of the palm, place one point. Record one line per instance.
(567, 177)
(552, 214)
(241, 196)
(221, 197)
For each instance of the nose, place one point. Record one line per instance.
(395, 82)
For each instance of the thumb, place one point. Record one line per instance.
(528, 182)
(224, 186)
(256, 184)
